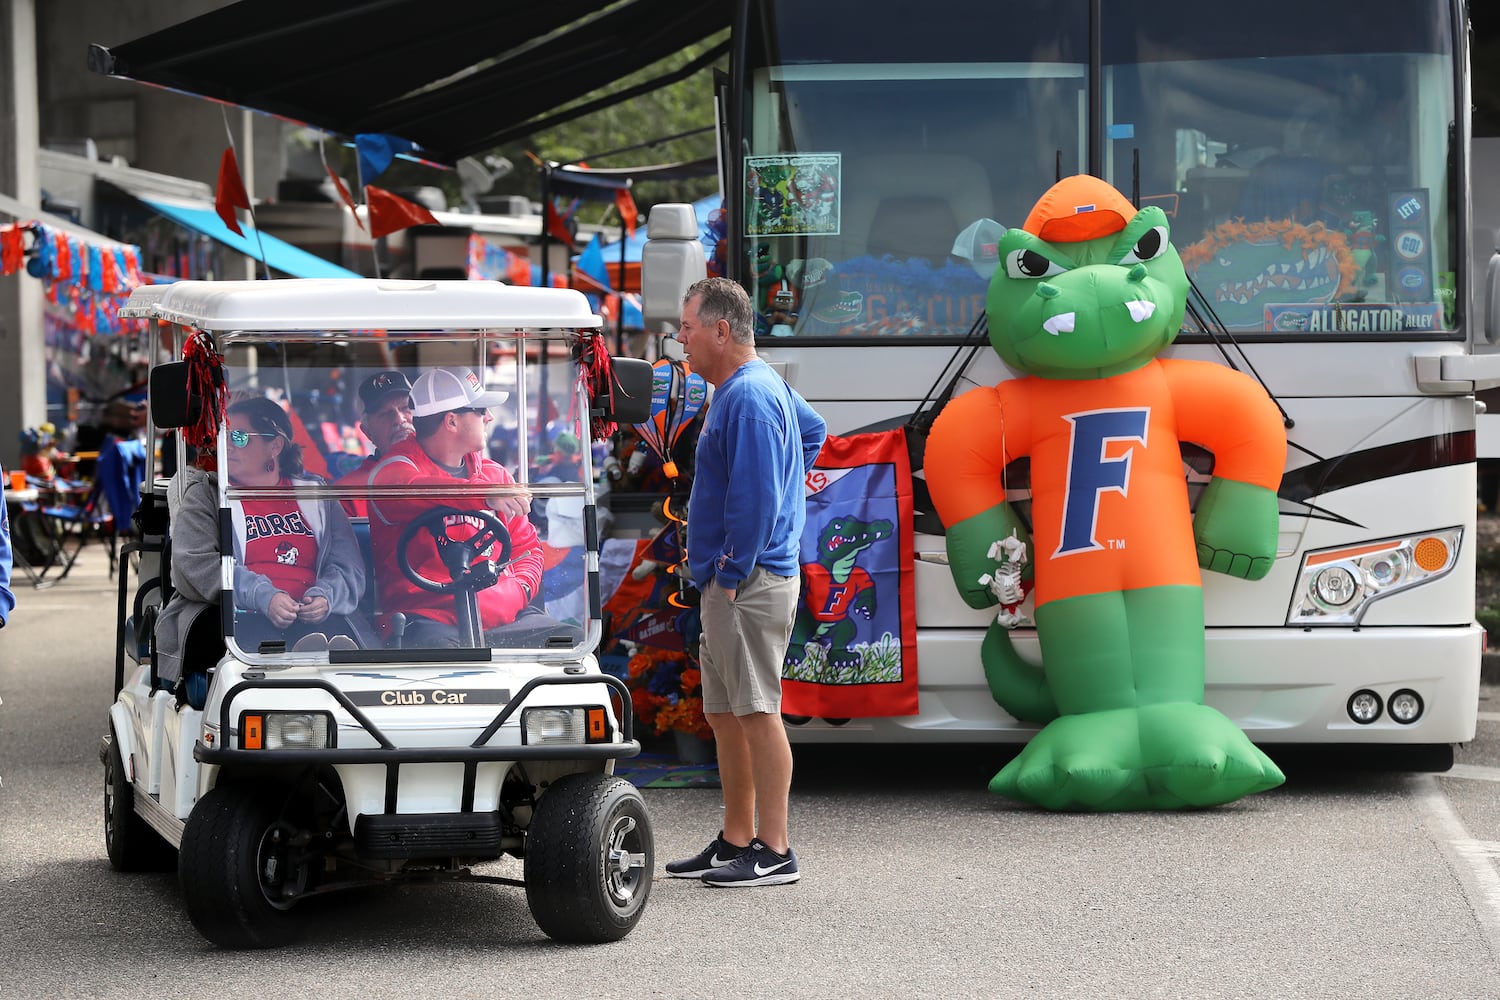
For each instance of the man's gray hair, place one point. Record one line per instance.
(721, 298)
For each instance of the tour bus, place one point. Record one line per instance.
(1314, 161)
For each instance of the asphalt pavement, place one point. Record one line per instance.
(917, 882)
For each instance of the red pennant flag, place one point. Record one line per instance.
(12, 249)
(345, 196)
(556, 227)
(390, 213)
(230, 193)
(628, 212)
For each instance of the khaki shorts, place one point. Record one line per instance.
(744, 643)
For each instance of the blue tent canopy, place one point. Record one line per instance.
(264, 247)
(703, 207)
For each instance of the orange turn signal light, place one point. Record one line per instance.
(598, 726)
(252, 732)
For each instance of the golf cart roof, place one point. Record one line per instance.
(294, 304)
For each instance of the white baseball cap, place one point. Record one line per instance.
(439, 390)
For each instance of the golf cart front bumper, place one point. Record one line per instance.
(386, 752)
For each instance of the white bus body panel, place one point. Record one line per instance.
(1259, 670)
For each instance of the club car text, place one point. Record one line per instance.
(437, 696)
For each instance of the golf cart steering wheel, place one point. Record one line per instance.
(467, 565)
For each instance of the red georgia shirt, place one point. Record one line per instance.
(279, 544)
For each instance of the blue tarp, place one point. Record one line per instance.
(279, 254)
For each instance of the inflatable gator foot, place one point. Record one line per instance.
(1170, 756)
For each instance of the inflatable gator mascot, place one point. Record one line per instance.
(1087, 293)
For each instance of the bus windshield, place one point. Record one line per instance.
(1303, 157)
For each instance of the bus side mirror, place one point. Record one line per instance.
(631, 385)
(671, 261)
(172, 405)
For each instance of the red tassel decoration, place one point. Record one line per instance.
(206, 382)
(594, 369)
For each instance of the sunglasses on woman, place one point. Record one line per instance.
(241, 438)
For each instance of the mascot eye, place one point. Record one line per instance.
(1148, 247)
(1030, 264)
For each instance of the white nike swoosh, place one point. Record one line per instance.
(766, 871)
(719, 862)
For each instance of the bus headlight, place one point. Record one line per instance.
(1364, 707)
(1405, 706)
(1337, 586)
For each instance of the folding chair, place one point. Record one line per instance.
(71, 522)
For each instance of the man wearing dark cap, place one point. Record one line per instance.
(385, 418)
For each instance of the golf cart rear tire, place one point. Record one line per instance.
(132, 845)
(220, 865)
(575, 891)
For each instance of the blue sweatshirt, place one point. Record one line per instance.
(759, 441)
(7, 599)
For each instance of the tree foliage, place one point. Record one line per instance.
(642, 121)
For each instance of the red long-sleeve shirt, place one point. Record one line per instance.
(407, 464)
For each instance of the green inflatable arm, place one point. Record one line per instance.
(1235, 527)
(969, 543)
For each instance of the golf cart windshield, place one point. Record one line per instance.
(357, 522)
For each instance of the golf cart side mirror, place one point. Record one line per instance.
(671, 261)
(172, 404)
(632, 391)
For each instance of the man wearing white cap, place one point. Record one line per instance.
(450, 408)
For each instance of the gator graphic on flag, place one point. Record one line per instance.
(853, 652)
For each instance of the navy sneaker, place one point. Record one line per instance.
(758, 865)
(716, 855)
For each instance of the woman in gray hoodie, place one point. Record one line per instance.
(298, 571)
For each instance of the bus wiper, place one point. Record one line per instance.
(1217, 327)
(920, 422)
(1218, 332)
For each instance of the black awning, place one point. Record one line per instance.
(575, 181)
(455, 76)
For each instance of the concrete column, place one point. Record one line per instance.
(23, 362)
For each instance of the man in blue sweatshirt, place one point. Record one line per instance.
(745, 515)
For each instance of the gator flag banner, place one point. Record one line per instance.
(853, 652)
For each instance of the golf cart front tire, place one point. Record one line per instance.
(589, 859)
(235, 867)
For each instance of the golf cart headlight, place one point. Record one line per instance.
(552, 725)
(286, 731)
(582, 724)
(1337, 586)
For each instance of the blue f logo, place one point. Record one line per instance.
(1091, 474)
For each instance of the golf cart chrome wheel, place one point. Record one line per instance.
(624, 861)
(589, 858)
(282, 878)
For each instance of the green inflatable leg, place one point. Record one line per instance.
(1126, 670)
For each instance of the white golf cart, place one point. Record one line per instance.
(274, 770)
